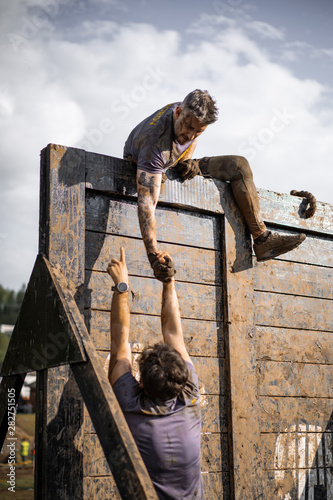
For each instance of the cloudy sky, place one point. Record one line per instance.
(83, 73)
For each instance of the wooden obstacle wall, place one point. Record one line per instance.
(259, 334)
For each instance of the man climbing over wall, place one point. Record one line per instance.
(167, 139)
(162, 411)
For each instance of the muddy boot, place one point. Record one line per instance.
(276, 244)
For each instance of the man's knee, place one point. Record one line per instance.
(243, 167)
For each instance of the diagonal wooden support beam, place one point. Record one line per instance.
(48, 291)
(43, 336)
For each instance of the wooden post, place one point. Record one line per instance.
(59, 421)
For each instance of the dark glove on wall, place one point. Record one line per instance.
(188, 169)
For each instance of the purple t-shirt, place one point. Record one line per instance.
(167, 435)
(152, 145)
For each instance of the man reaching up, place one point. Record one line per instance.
(162, 410)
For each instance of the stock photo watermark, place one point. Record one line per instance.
(279, 121)
(49, 351)
(31, 26)
(11, 445)
(122, 106)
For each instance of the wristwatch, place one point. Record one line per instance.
(120, 287)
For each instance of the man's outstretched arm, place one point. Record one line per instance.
(120, 351)
(148, 187)
(172, 330)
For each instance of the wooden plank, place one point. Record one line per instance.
(115, 175)
(284, 210)
(293, 278)
(214, 455)
(62, 221)
(106, 215)
(298, 484)
(210, 371)
(118, 445)
(300, 449)
(295, 379)
(196, 265)
(241, 357)
(287, 311)
(216, 487)
(145, 297)
(202, 338)
(43, 335)
(282, 344)
(278, 414)
(100, 487)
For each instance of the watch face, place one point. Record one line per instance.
(122, 287)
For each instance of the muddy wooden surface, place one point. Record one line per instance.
(294, 335)
(194, 239)
(259, 334)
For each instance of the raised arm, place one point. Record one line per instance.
(172, 330)
(120, 351)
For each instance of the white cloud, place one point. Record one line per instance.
(93, 88)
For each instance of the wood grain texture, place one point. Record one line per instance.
(61, 239)
(298, 484)
(210, 371)
(285, 210)
(113, 216)
(288, 311)
(216, 485)
(302, 449)
(202, 302)
(295, 379)
(202, 338)
(278, 414)
(294, 279)
(294, 346)
(115, 175)
(241, 358)
(196, 265)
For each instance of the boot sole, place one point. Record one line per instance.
(277, 251)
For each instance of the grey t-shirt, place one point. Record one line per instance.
(152, 145)
(167, 435)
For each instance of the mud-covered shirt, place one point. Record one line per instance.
(152, 144)
(167, 435)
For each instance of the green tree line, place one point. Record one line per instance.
(10, 303)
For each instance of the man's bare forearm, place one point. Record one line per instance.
(147, 221)
(148, 193)
(119, 326)
(170, 313)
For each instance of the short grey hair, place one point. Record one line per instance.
(200, 104)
